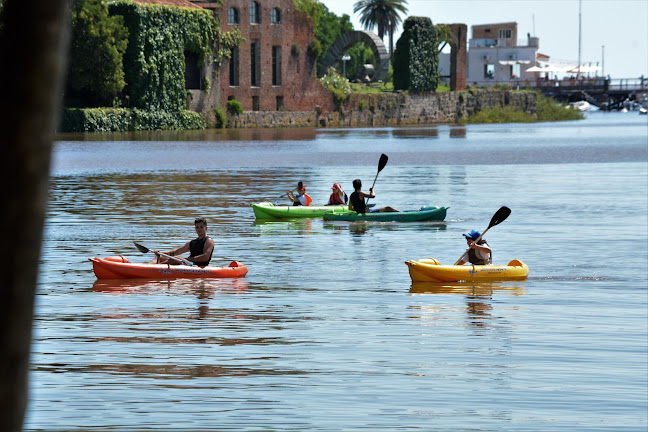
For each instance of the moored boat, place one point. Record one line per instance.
(118, 267)
(424, 214)
(267, 210)
(431, 270)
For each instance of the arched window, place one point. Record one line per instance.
(275, 16)
(232, 16)
(255, 13)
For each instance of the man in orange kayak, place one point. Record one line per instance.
(479, 253)
(357, 200)
(200, 249)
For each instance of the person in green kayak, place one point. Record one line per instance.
(301, 198)
(200, 249)
(479, 252)
(357, 200)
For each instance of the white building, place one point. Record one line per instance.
(496, 56)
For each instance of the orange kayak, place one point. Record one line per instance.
(118, 267)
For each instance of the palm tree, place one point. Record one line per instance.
(384, 14)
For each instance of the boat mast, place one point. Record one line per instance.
(580, 3)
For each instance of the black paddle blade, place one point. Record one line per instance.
(141, 248)
(499, 216)
(382, 162)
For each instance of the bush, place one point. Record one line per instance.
(220, 117)
(314, 49)
(506, 114)
(550, 110)
(416, 57)
(338, 85)
(124, 119)
(234, 107)
(96, 72)
(362, 105)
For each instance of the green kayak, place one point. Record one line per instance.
(266, 210)
(424, 214)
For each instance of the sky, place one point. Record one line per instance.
(620, 26)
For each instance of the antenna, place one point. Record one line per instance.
(533, 19)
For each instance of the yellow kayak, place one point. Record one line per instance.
(431, 270)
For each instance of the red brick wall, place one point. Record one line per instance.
(300, 90)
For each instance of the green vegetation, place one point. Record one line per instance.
(547, 110)
(234, 107)
(154, 63)
(371, 88)
(550, 110)
(220, 117)
(95, 71)
(338, 85)
(416, 59)
(125, 119)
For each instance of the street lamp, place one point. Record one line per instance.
(345, 58)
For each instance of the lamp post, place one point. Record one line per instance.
(345, 58)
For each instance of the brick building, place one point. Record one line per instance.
(271, 70)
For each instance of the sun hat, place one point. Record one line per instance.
(337, 186)
(474, 235)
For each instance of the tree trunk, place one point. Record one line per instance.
(33, 43)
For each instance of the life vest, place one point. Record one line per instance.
(335, 198)
(474, 259)
(197, 247)
(307, 198)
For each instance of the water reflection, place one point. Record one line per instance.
(458, 132)
(202, 288)
(416, 133)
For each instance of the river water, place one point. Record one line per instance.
(327, 332)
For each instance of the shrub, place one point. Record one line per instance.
(338, 85)
(220, 117)
(96, 72)
(550, 110)
(362, 105)
(234, 107)
(416, 57)
(124, 119)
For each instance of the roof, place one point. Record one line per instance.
(177, 3)
(495, 24)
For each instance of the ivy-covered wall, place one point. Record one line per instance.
(154, 63)
(416, 57)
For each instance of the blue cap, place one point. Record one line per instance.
(473, 235)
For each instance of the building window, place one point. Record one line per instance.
(255, 64)
(275, 16)
(255, 103)
(234, 67)
(192, 71)
(280, 102)
(232, 16)
(505, 33)
(276, 65)
(489, 71)
(515, 71)
(255, 13)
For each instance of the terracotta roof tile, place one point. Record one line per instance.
(178, 3)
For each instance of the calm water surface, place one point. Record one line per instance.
(327, 332)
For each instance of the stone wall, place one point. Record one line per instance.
(393, 109)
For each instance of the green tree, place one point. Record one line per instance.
(95, 72)
(416, 59)
(383, 14)
(360, 54)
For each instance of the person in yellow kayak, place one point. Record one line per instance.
(301, 198)
(357, 200)
(200, 249)
(338, 197)
(479, 252)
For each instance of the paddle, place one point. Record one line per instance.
(381, 164)
(499, 217)
(144, 249)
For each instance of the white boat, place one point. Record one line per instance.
(581, 106)
(643, 110)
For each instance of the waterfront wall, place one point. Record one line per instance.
(392, 109)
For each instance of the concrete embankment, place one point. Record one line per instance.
(392, 109)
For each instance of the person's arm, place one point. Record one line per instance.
(207, 250)
(179, 251)
(464, 259)
(364, 195)
(291, 196)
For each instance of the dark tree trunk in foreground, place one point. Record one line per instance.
(32, 48)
